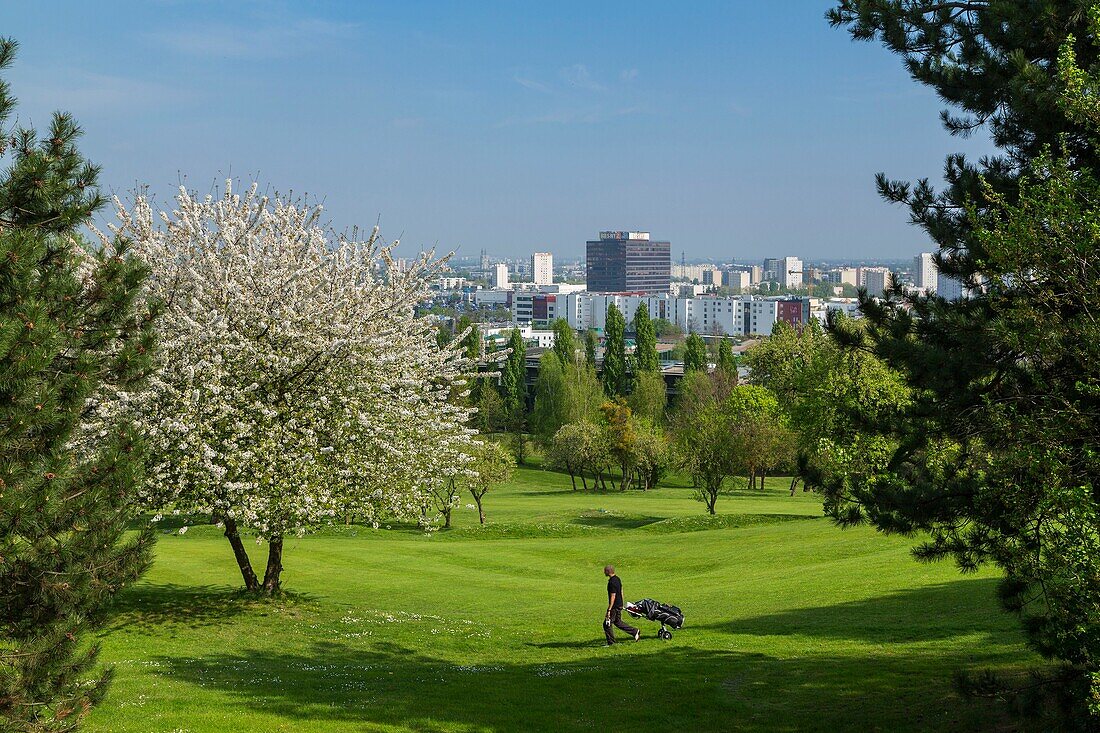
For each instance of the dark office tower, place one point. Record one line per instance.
(621, 262)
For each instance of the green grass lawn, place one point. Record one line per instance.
(791, 625)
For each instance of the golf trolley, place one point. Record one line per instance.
(647, 608)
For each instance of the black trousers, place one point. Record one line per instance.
(617, 620)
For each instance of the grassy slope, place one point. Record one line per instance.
(792, 624)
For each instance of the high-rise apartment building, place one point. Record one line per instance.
(876, 280)
(542, 268)
(773, 266)
(791, 276)
(620, 262)
(500, 275)
(925, 272)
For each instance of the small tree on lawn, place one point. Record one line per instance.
(490, 465)
(294, 384)
(579, 447)
(703, 438)
(653, 455)
(73, 340)
(620, 437)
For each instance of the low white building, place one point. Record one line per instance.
(740, 315)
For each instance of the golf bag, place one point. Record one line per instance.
(662, 613)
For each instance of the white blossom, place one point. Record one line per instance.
(294, 382)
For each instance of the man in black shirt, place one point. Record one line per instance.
(615, 608)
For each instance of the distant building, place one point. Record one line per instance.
(876, 280)
(791, 276)
(628, 262)
(772, 267)
(843, 276)
(500, 275)
(738, 279)
(707, 314)
(925, 273)
(951, 289)
(542, 268)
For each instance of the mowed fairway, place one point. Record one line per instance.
(791, 624)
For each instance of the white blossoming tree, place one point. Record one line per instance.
(294, 382)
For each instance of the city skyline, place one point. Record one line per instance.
(741, 128)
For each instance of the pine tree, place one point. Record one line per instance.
(71, 334)
(645, 341)
(614, 356)
(994, 459)
(695, 357)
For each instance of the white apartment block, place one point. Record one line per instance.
(950, 288)
(791, 277)
(500, 275)
(925, 273)
(741, 315)
(693, 273)
(542, 268)
(875, 280)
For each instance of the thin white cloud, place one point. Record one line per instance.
(579, 77)
(628, 74)
(245, 41)
(531, 84)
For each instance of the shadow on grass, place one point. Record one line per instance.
(928, 613)
(653, 686)
(608, 520)
(157, 609)
(585, 644)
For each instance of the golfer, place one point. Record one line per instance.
(615, 608)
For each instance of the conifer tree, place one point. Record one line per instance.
(614, 356)
(73, 340)
(995, 456)
(645, 341)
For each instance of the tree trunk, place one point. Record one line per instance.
(274, 566)
(573, 478)
(480, 511)
(446, 519)
(794, 484)
(763, 473)
(584, 481)
(712, 499)
(234, 536)
(752, 479)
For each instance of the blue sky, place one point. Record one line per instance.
(737, 129)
